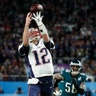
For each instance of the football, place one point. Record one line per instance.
(36, 7)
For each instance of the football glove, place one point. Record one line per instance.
(74, 81)
(38, 18)
(57, 92)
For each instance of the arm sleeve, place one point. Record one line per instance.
(50, 45)
(43, 29)
(56, 83)
(23, 50)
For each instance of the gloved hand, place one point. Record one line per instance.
(79, 88)
(74, 80)
(57, 92)
(38, 18)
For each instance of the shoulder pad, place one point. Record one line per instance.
(67, 70)
(82, 74)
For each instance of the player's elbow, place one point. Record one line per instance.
(57, 77)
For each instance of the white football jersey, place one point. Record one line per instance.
(40, 59)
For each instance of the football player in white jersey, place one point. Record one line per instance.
(36, 47)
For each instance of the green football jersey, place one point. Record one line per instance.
(67, 87)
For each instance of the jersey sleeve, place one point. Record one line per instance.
(85, 78)
(50, 45)
(63, 72)
(23, 50)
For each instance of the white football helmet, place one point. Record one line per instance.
(34, 34)
(75, 67)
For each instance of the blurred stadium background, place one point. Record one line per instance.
(72, 25)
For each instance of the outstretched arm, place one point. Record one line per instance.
(26, 28)
(23, 48)
(38, 19)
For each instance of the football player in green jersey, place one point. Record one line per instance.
(70, 82)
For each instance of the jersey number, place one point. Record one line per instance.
(70, 88)
(42, 57)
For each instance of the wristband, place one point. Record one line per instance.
(42, 29)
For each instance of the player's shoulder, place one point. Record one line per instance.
(20, 45)
(41, 41)
(61, 82)
(51, 40)
(84, 76)
(66, 71)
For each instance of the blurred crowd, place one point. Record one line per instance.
(71, 23)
